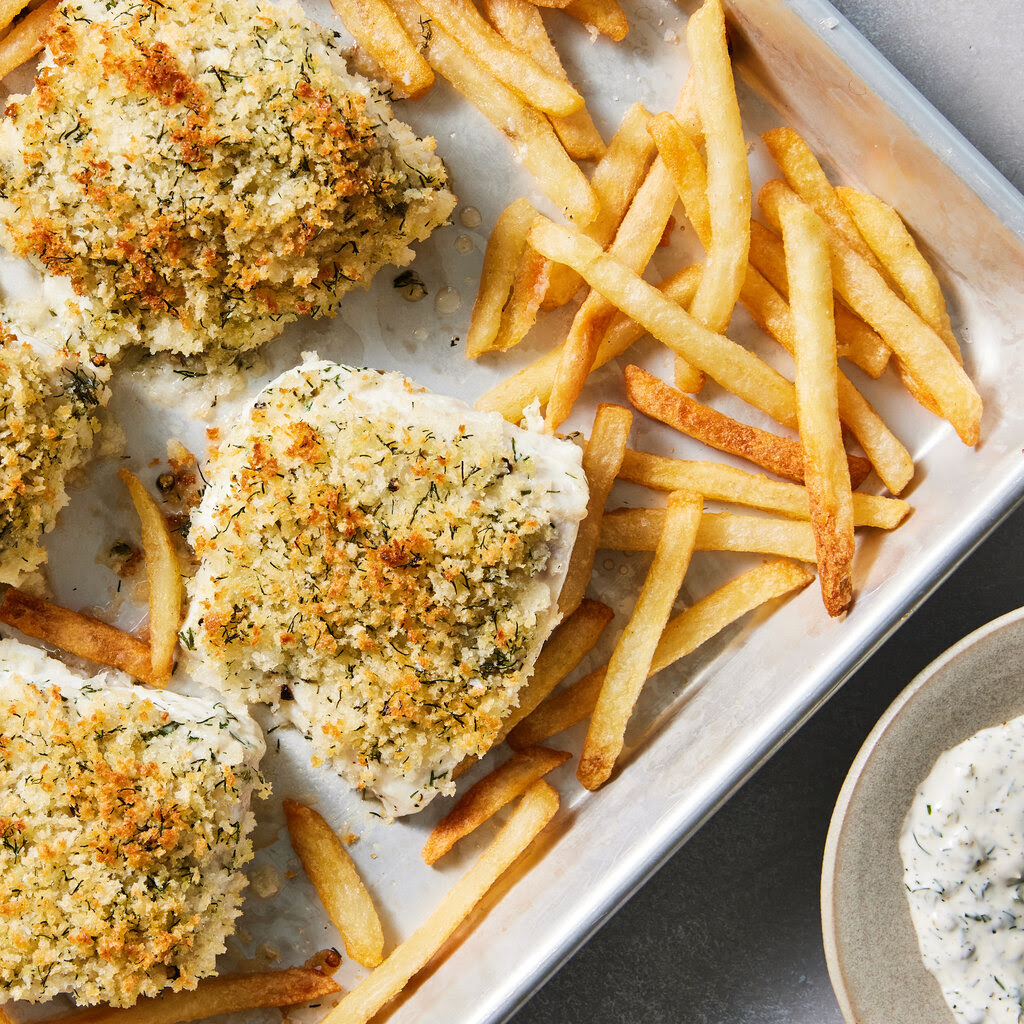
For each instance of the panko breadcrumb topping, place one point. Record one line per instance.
(48, 422)
(204, 172)
(123, 825)
(384, 564)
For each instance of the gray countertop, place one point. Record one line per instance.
(729, 930)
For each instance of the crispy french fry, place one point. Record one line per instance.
(780, 455)
(514, 394)
(9, 10)
(890, 458)
(686, 166)
(638, 529)
(77, 633)
(163, 576)
(802, 171)
(703, 620)
(616, 178)
(336, 880)
(485, 798)
(520, 24)
(635, 241)
(884, 231)
(601, 461)
(25, 40)
(924, 354)
(510, 66)
(604, 16)
(631, 660)
(502, 257)
(728, 176)
(528, 290)
(561, 711)
(377, 30)
(735, 368)
(718, 482)
(891, 243)
(855, 340)
(536, 808)
(682, 635)
(530, 133)
(230, 993)
(828, 476)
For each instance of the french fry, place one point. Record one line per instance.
(9, 10)
(604, 16)
(561, 711)
(923, 353)
(515, 393)
(638, 529)
(574, 638)
(25, 39)
(163, 576)
(616, 178)
(377, 30)
(735, 368)
(520, 24)
(828, 476)
(728, 175)
(682, 635)
(780, 455)
(502, 260)
(601, 461)
(855, 340)
(77, 633)
(802, 171)
(709, 616)
(230, 993)
(686, 166)
(528, 290)
(541, 89)
(718, 482)
(884, 231)
(530, 133)
(536, 808)
(635, 241)
(485, 798)
(631, 660)
(890, 458)
(342, 892)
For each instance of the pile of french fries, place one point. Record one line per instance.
(833, 274)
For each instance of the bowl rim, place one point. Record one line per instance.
(849, 788)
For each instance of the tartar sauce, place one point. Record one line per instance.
(963, 867)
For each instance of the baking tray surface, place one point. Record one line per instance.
(702, 727)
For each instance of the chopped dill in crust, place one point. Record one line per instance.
(124, 824)
(48, 423)
(393, 557)
(204, 172)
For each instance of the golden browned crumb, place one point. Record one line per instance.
(123, 825)
(203, 172)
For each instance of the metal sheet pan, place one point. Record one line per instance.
(701, 729)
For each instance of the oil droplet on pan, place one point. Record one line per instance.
(448, 301)
(470, 217)
(464, 243)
